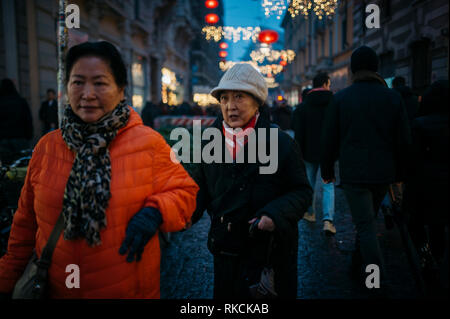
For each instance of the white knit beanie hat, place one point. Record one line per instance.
(243, 77)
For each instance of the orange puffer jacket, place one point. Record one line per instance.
(142, 174)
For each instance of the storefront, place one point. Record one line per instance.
(172, 90)
(139, 83)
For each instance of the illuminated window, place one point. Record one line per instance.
(171, 88)
(139, 83)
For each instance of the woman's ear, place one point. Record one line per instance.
(122, 95)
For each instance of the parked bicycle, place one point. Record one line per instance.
(12, 177)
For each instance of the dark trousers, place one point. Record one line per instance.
(364, 201)
(233, 276)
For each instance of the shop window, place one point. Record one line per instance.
(139, 83)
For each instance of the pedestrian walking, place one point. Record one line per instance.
(148, 114)
(366, 128)
(237, 195)
(412, 107)
(309, 127)
(48, 112)
(411, 101)
(16, 125)
(426, 190)
(110, 178)
(282, 116)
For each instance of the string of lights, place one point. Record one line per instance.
(321, 8)
(270, 55)
(234, 34)
(274, 7)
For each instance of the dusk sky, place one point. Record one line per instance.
(246, 13)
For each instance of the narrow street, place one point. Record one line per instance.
(323, 262)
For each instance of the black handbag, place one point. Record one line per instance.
(265, 288)
(33, 283)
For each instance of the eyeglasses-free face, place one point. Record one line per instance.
(92, 89)
(237, 107)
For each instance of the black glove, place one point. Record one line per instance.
(140, 229)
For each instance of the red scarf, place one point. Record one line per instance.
(236, 140)
(317, 89)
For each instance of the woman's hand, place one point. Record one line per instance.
(140, 229)
(266, 223)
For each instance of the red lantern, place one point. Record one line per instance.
(211, 4)
(223, 54)
(268, 36)
(212, 18)
(223, 45)
(283, 63)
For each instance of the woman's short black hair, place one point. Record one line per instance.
(8, 88)
(103, 50)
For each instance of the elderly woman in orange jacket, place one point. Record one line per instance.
(114, 182)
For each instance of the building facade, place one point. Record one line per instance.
(412, 42)
(154, 37)
(204, 55)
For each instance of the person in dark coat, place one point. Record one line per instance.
(366, 128)
(411, 101)
(426, 191)
(308, 133)
(412, 108)
(282, 115)
(48, 112)
(16, 126)
(254, 214)
(148, 114)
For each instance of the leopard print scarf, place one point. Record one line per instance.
(88, 188)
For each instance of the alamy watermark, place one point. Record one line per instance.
(373, 19)
(215, 152)
(373, 279)
(73, 280)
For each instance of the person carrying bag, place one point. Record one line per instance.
(33, 283)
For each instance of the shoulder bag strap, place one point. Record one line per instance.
(47, 252)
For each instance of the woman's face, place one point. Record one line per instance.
(237, 107)
(92, 90)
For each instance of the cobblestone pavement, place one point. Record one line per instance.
(323, 261)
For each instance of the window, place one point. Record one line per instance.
(330, 39)
(137, 10)
(421, 64)
(139, 82)
(344, 33)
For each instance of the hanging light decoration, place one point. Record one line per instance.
(270, 55)
(321, 8)
(271, 69)
(211, 4)
(212, 18)
(272, 7)
(231, 33)
(268, 36)
(223, 54)
(324, 8)
(223, 45)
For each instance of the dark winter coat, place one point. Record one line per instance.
(282, 116)
(234, 193)
(366, 127)
(308, 124)
(15, 118)
(48, 114)
(410, 100)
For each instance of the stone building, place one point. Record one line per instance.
(412, 41)
(154, 37)
(204, 54)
